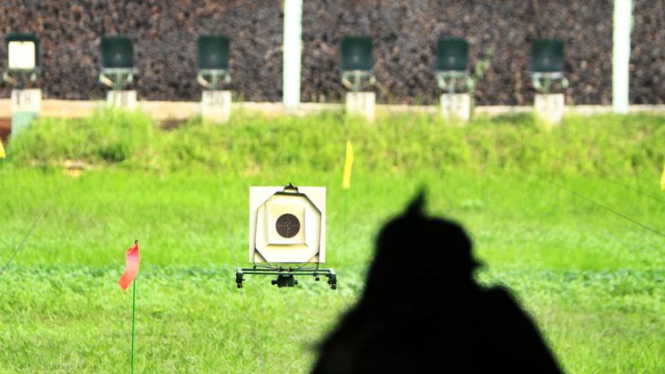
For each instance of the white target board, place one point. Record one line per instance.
(287, 224)
(22, 55)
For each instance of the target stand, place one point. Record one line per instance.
(287, 235)
(286, 276)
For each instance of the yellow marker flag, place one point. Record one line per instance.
(348, 166)
(662, 180)
(2, 151)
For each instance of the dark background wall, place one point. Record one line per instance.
(165, 33)
(647, 63)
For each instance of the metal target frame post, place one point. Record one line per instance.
(357, 67)
(118, 71)
(452, 68)
(357, 62)
(23, 67)
(545, 68)
(213, 55)
(353, 80)
(452, 64)
(454, 106)
(447, 80)
(23, 62)
(285, 276)
(547, 63)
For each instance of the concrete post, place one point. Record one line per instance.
(121, 99)
(361, 104)
(549, 109)
(292, 52)
(623, 19)
(25, 108)
(216, 106)
(456, 107)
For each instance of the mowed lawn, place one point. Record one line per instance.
(593, 280)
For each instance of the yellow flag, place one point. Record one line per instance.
(662, 180)
(348, 166)
(2, 151)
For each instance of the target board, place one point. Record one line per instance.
(287, 224)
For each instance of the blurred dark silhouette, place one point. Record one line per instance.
(423, 312)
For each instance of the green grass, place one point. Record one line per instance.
(594, 281)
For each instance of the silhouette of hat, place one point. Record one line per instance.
(422, 247)
(396, 326)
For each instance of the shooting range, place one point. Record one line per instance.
(285, 164)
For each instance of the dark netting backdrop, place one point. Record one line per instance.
(404, 32)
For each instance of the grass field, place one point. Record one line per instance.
(594, 281)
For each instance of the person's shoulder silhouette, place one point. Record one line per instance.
(423, 312)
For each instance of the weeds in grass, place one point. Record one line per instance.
(607, 144)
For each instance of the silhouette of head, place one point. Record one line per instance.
(422, 312)
(415, 249)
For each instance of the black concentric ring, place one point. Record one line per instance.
(287, 225)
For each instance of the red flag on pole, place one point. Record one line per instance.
(132, 267)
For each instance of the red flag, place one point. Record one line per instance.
(131, 268)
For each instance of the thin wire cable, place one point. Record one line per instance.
(526, 192)
(288, 368)
(45, 208)
(617, 182)
(639, 191)
(298, 322)
(339, 292)
(579, 195)
(252, 332)
(295, 313)
(23, 229)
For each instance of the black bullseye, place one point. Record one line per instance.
(287, 225)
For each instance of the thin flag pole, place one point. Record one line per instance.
(127, 278)
(133, 322)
